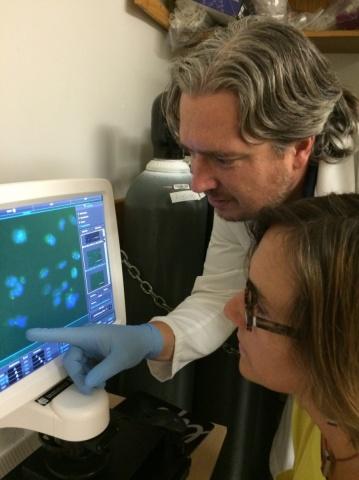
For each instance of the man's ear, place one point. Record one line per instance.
(302, 150)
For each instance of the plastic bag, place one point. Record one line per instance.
(340, 14)
(188, 22)
(273, 8)
(348, 17)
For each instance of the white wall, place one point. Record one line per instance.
(77, 81)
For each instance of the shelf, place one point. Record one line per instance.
(156, 10)
(336, 41)
(329, 41)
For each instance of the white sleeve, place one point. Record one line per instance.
(198, 323)
(338, 177)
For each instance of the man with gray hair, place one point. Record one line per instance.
(265, 121)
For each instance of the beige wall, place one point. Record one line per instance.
(77, 81)
(347, 66)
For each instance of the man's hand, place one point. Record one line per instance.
(100, 351)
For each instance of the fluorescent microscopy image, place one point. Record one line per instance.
(72, 219)
(15, 286)
(44, 273)
(76, 255)
(74, 272)
(11, 281)
(71, 300)
(19, 236)
(17, 291)
(61, 224)
(46, 289)
(41, 276)
(61, 265)
(56, 300)
(50, 239)
(18, 321)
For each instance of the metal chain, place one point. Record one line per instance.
(159, 301)
(145, 286)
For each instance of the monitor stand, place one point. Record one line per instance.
(128, 449)
(63, 413)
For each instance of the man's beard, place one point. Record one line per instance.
(243, 214)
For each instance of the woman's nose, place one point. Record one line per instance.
(234, 310)
(203, 178)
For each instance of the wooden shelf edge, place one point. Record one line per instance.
(156, 10)
(332, 34)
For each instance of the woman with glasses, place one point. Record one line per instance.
(298, 327)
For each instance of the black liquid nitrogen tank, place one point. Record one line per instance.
(165, 233)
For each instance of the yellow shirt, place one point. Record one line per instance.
(307, 450)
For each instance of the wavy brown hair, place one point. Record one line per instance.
(321, 238)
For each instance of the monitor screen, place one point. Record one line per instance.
(60, 267)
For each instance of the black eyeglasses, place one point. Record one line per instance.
(252, 320)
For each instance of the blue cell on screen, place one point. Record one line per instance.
(50, 239)
(72, 220)
(61, 265)
(19, 236)
(74, 272)
(11, 281)
(46, 289)
(17, 291)
(76, 255)
(19, 321)
(56, 301)
(44, 273)
(64, 285)
(61, 224)
(71, 300)
(57, 292)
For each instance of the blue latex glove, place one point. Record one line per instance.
(100, 351)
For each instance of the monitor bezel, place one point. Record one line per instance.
(16, 194)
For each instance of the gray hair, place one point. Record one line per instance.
(285, 87)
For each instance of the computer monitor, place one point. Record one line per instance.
(60, 266)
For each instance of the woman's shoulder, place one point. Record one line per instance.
(307, 447)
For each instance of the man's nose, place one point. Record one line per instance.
(203, 177)
(234, 310)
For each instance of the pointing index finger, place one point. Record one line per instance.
(73, 335)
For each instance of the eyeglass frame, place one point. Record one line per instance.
(257, 321)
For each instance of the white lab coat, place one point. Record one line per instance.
(199, 324)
